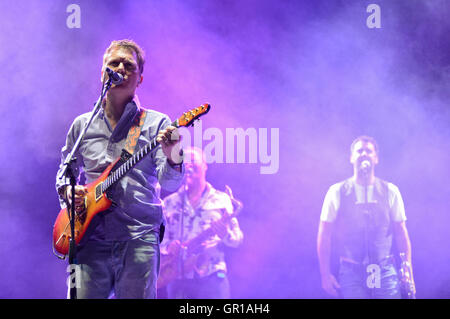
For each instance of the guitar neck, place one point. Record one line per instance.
(128, 162)
(194, 243)
(197, 241)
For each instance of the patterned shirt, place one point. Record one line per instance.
(138, 207)
(212, 206)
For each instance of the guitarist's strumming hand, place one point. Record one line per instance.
(169, 139)
(80, 192)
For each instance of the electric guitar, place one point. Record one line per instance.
(192, 249)
(96, 199)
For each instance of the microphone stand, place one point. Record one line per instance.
(182, 252)
(67, 173)
(365, 173)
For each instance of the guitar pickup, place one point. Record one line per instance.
(125, 156)
(98, 191)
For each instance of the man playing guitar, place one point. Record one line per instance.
(200, 222)
(121, 255)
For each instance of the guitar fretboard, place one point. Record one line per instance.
(125, 167)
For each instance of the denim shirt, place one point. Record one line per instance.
(137, 205)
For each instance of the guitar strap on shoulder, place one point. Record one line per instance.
(135, 132)
(130, 144)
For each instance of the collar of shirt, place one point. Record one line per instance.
(123, 126)
(192, 211)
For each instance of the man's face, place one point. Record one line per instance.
(195, 168)
(363, 151)
(123, 61)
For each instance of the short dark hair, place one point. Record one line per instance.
(130, 45)
(366, 139)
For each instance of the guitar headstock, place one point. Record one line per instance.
(237, 204)
(188, 118)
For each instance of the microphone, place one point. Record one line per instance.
(189, 171)
(116, 78)
(365, 166)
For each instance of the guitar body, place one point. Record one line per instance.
(168, 269)
(169, 266)
(93, 206)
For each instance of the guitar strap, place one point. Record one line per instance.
(130, 145)
(135, 132)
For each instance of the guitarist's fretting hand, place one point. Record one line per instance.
(80, 192)
(220, 229)
(169, 139)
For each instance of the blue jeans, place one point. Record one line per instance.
(129, 269)
(214, 286)
(353, 280)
